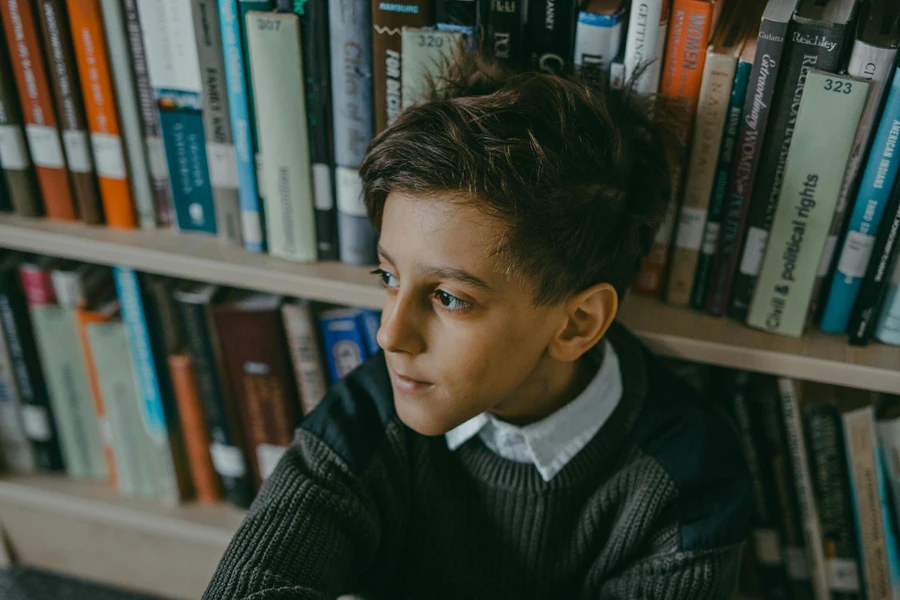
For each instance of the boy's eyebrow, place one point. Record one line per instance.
(445, 272)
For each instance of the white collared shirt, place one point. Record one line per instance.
(552, 442)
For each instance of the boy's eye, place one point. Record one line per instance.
(451, 302)
(387, 279)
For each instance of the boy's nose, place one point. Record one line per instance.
(399, 331)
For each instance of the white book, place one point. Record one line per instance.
(168, 29)
(645, 43)
(18, 456)
(278, 90)
(426, 53)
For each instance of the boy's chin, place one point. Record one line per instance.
(421, 421)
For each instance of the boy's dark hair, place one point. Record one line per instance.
(578, 174)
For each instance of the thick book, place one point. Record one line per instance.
(220, 150)
(153, 143)
(227, 449)
(343, 344)
(21, 27)
(550, 28)
(251, 333)
(15, 161)
(645, 44)
(598, 39)
(818, 39)
(874, 193)
(278, 88)
(18, 336)
(15, 449)
(70, 108)
(306, 353)
(878, 551)
(426, 53)
(773, 31)
(171, 53)
(350, 27)
(812, 179)
(388, 21)
(505, 38)
(206, 486)
(716, 103)
(683, 67)
(86, 21)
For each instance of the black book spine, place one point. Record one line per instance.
(220, 415)
(812, 45)
(37, 414)
(877, 280)
(551, 34)
(456, 15)
(506, 30)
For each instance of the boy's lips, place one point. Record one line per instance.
(408, 384)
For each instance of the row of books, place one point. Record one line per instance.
(168, 389)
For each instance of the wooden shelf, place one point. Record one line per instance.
(667, 330)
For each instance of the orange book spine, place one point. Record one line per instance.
(84, 317)
(690, 25)
(41, 127)
(196, 435)
(86, 23)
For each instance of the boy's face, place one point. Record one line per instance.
(460, 337)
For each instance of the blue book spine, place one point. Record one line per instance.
(243, 132)
(343, 343)
(370, 321)
(185, 143)
(874, 191)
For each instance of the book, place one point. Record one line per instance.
(370, 322)
(878, 552)
(714, 105)
(388, 21)
(41, 128)
(278, 87)
(598, 38)
(172, 63)
(505, 38)
(350, 28)
(683, 66)
(147, 372)
(550, 30)
(251, 333)
(216, 397)
(205, 482)
(888, 328)
(36, 413)
(818, 40)
(812, 176)
(220, 151)
(872, 59)
(459, 16)
(243, 125)
(15, 449)
(343, 344)
(426, 53)
(773, 30)
(86, 22)
(645, 44)
(306, 354)
(37, 279)
(153, 143)
(868, 208)
(63, 73)
(887, 431)
(15, 160)
(75, 284)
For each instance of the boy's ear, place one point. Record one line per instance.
(588, 315)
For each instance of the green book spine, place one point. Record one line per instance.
(829, 115)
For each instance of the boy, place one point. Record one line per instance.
(511, 440)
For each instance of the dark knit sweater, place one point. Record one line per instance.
(657, 505)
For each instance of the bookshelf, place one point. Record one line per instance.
(669, 331)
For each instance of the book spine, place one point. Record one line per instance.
(37, 283)
(317, 68)
(36, 412)
(425, 52)
(206, 485)
(356, 236)
(812, 532)
(597, 42)
(888, 435)
(683, 67)
(823, 54)
(713, 109)
(86, 21)
(244, 7)
(344, 347)
(458, 16)
(220, 150)
(812, 179)
(153, 143)
(757, 107)
(278, 86)
(829, 471)
(18, 455)
(645, 43)
(888, 329)
(506, 39)
(302, 339)
(70, 108)
(150, 397)
(37, 105)
(15, 161)
(369, 322)
(551, 34)
(865, 219)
